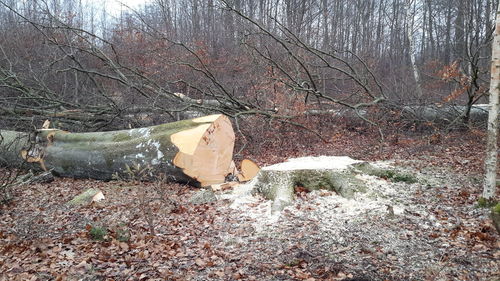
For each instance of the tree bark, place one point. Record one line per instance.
(197, 151)
(411, 47)
(326, 34)
(492, 147)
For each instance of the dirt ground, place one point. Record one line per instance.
(429, 230)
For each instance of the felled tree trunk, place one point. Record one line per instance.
(477, 112)
(198, 151)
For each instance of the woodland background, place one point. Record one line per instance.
(297, 78)
(75, 64)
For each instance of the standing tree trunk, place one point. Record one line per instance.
(326, 35)
(411, 46)
(491, 148)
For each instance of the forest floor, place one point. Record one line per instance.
(429, 230)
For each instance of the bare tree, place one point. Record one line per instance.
(491, 148)
(410, 25)
(63, 61)
(305, 66)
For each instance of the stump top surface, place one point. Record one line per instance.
(314, 163)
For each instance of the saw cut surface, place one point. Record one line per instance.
(314, 163)
(205, 119)
(206, 152)
(187, 141)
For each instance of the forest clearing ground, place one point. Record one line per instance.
(439, 234)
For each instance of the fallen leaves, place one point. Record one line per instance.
(39, 237)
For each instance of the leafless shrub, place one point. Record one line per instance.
(11, 173)
(145, 204)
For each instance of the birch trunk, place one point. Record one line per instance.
(491, 147)
(411, 46)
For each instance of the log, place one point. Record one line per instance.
(448, 113)
(30, 178)
(197, 151)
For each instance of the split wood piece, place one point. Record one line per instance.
(224, 186)
(46, 124)
(249, 170)
(88, 196)
(197, 151)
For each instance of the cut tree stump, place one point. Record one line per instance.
(197, 151)
(336, 173)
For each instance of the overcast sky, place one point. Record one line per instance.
(113, 7)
